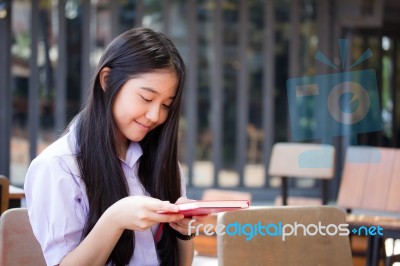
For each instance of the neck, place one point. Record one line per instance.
(122, 144)
(122, 153)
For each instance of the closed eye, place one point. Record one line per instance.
(145, 99)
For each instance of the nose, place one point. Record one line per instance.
(153, 113)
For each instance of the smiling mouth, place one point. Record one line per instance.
(143, 126)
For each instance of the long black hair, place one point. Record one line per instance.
(137, 51)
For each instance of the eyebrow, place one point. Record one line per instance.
(154, 91)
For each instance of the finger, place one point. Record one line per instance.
(165, 218)
(163, 206)
(178, 225)
(185, 229)
(183, 225)
(179, 229)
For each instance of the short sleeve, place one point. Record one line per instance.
(56, 207)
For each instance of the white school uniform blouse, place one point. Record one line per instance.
(58, 206)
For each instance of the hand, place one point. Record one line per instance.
(182, 226)
(139, 213)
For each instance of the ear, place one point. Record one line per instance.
(103, 76)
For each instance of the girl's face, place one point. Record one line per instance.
(143, 103)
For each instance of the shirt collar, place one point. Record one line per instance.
(133, 154)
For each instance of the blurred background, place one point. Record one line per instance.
(239, 55)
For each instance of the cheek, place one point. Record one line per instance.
(121, 116)
(164, 117)
(122, 108)
(116, 111)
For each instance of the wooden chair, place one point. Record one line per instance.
(370, 183)
(318, 164)
(207, 245)
(4, 187)
(18, 245)
(295, 250)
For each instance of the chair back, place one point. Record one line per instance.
(4, 186)
(18, 245)
(206, 245)
(371, 179)
(294, 250)
(303, 160)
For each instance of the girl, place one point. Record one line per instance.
(95, 195)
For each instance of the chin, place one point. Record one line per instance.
(137, 138)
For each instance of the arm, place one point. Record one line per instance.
(57, 214)
(186, 247)
(185, 252)
(99, 243)
(91, 251)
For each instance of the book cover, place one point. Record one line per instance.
(205, 207)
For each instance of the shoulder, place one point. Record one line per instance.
(65, 145)
(54, 169)
(54, 174)
(60, 154)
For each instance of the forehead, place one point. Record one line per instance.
(160, 83)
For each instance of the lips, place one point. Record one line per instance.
(143, 125)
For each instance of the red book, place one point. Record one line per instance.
(204, 207)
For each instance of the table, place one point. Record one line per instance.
(15, 196)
